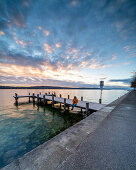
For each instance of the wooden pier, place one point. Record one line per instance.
(43, 98)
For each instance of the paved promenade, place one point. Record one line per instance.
(112, 145)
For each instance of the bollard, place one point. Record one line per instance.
(29, 98)
(43, 99)
(81, 100)
(52, 100)
(87, 108)
(64, 104)
(60, 103)
(38, 98)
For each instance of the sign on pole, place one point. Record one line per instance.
(101, 84)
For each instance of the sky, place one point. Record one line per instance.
(72, 43)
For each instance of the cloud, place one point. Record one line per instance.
(2, 33)
(96, 65)
(39, 27)
(79, 36)
(41, 81)
(126, 63)
(48, 48)
(58, 45)
(46, 32)
(125, 81)
(127, 48)
(114, 57)
(74, 2)
(21, 42)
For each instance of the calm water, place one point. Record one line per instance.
(25, 127)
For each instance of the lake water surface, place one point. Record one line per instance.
(25, 127)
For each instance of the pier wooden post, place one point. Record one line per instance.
(52, 100)
(81, 100)
(87, 108)
(64, 104)
(38, 98)
(60, 103)
(68, 96)
(33, 98)
(16, 98)
(29, 98)
(43, 99)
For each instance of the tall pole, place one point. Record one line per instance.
(101, 87)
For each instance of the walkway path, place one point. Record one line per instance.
(112, 145)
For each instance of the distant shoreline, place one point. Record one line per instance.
(54, 87)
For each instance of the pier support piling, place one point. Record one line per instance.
(44, 99)
(81, 100)
(64, 104)
(52, 100)
(87, 108)
(60, 103)
(29, 98)
(38, 98)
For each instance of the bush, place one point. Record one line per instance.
(133, 83)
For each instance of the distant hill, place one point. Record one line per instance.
(42, 87)
(57, 87)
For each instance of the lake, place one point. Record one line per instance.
(26, 126)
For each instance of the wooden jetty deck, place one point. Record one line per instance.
(66, 101)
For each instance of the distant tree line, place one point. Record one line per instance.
(133, 82)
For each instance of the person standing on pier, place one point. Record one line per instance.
(75, 101)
